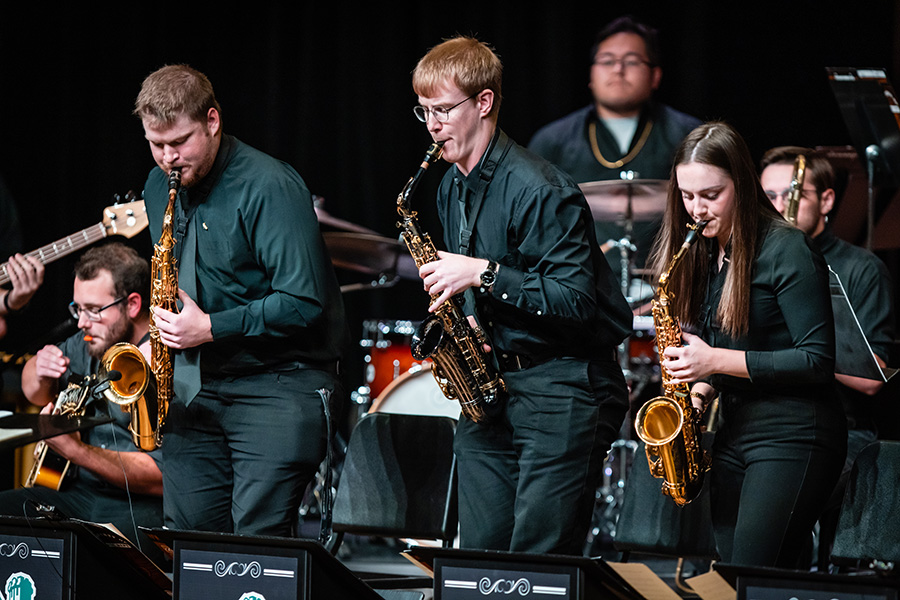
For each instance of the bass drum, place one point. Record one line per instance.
(416, 393)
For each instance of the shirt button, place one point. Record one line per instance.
(504, 296)
(539, 313)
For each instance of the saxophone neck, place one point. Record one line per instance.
(431, 155)
(694, 231)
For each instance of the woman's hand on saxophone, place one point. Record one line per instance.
(188, 328)
(451, 275)
(697, 360)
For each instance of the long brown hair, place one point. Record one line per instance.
(719, 145)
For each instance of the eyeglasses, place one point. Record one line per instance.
(630, 61)
(91, 313)
(440, 114)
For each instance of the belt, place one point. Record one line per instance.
(512, 361)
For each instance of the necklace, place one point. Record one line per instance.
(592, 134)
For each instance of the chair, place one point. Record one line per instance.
(399, 479)
(868, 529)
(651, 523)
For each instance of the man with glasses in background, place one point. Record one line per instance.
(521, 248)
(867, 283)
(624, 133)
(108, 479)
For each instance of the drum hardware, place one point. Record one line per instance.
(624, 201)
(609, 496)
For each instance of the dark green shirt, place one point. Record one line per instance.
(790, 343)
(554, 294)
(263, 273)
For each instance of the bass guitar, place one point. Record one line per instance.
(126, 219)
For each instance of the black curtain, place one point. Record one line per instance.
(325, 86)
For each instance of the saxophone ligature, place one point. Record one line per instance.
(461, 367)
(669, 424)
(792, 203)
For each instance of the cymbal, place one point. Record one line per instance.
(327, 219)
(609, 200)
(371, 254)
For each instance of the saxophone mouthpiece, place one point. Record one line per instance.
(693, 231)
(174, 178)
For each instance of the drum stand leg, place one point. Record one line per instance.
(608, 497)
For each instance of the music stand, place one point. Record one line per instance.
(853, 354)
(20, 429)
(871, 113)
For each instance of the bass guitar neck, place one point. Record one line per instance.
(126, 219)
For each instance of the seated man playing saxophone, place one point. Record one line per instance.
(107, 480)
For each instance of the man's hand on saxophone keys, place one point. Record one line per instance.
(188, 328)
(451, 275)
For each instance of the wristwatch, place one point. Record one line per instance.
(489, 276)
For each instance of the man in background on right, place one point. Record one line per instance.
(867, 283)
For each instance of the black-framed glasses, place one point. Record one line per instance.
(91, 313)
(629, 61)
(440, 114)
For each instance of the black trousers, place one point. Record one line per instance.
(775, 464)
(527, 481)
(238, 458)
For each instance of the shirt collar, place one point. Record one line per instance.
(200, 192)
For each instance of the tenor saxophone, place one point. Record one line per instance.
(461, 368)
(668, 424)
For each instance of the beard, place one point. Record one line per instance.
(121, 330)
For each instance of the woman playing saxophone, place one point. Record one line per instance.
(756, 295)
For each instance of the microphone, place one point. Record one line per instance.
(103, 384)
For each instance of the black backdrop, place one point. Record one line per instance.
(325, 86)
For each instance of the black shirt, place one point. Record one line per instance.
(554, 294)
(790, 343)
(867, 283)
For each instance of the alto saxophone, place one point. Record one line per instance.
(668, 425)
(461, 368)
(792, 204)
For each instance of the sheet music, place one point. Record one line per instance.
(853, 354)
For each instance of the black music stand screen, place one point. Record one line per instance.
(35, 564)
(220, 570)
(761, 588)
